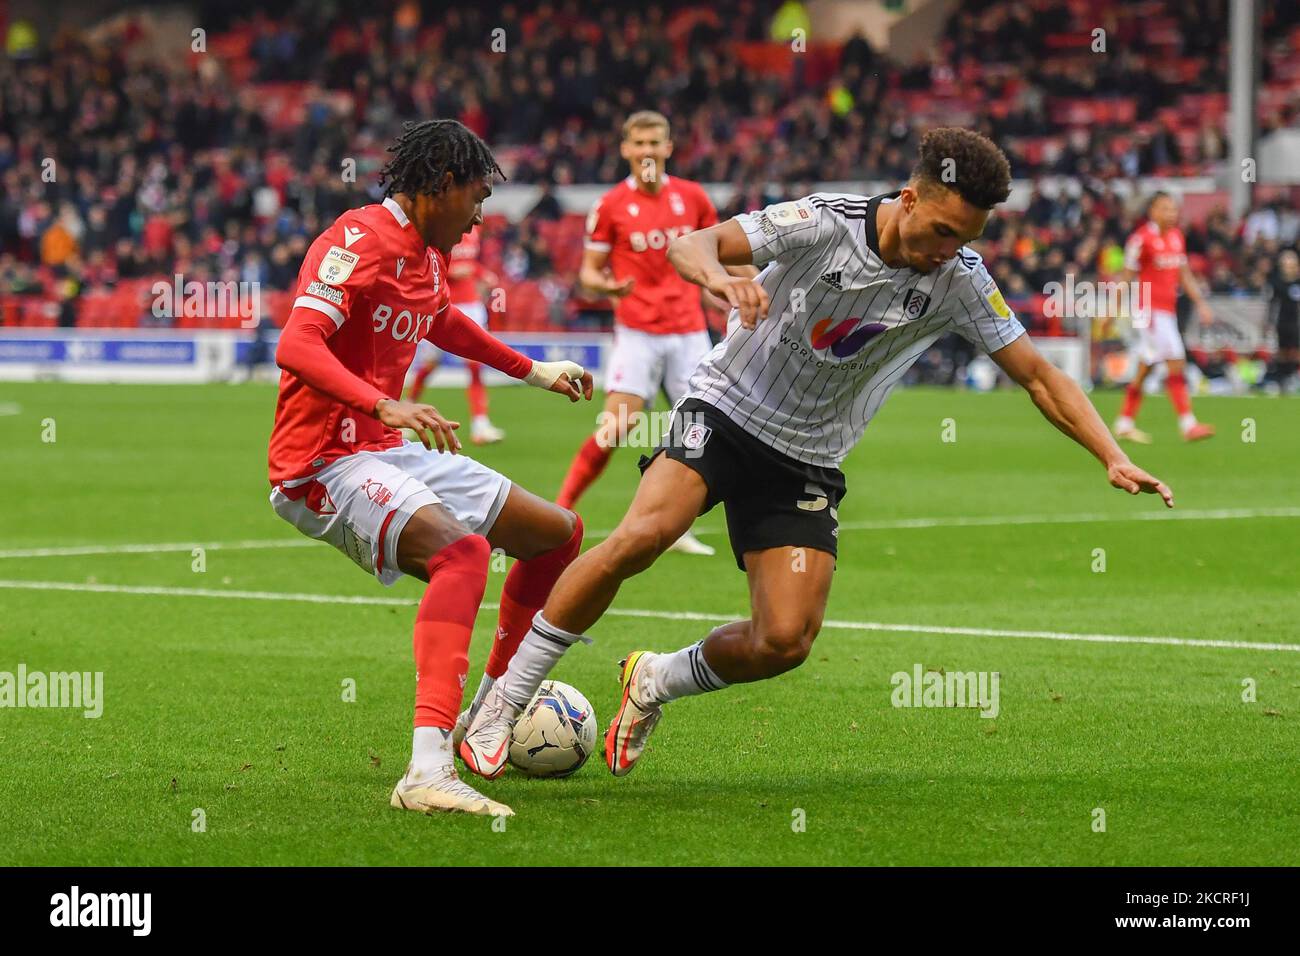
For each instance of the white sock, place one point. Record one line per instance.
(430, 753)
(682, 673)
(1123, 422)
(1186, 421)
(539, 651)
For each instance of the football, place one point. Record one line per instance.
(556, 732)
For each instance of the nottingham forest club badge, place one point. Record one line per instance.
(915, 304)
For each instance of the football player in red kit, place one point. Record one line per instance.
(1157, 255)
(372, 286)
(659, 328)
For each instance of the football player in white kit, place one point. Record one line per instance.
(852, 290)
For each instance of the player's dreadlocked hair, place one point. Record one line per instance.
(425, 152)
(966, 162)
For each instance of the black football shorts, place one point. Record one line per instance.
(771, 500)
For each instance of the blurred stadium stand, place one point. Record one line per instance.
(223, 164)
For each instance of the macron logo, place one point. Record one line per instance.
(832, 279)
(400, 262)
(103, 909)
(350, 235)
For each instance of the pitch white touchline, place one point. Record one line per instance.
(637, 612)
(79, 550)
(982, 521)
(979, 521)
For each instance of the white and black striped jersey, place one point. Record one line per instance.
(842, 327)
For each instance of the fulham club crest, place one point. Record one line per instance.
(695, 436)
(915, 304)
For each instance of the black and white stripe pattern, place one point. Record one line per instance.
(548, 633)
(702, 674)
(809, 403)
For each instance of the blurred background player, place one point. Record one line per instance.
(469, 282)
(1156, 254)
(659, 329)
(1284, 309)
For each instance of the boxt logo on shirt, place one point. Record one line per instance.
(843, 340)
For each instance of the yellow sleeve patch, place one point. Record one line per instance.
(998, 303)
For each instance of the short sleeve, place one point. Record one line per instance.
(600, 229)
(1133, 252)
(783, 228)
(708, 214)
(980, 314)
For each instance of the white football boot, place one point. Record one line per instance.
(689, 544)
(1131, 433)
(483, 432)
(467, 715)
(443, 791)
(626, 738)
(486, 745)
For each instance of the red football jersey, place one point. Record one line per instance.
(1157, 257)
(464, 270)
(635, 227)
(371, 273)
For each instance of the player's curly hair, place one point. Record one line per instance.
(425, 152)
(966, 162)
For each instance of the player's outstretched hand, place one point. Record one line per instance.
(423, 419)
(567, 378)
(1127, 476)
(745, 295)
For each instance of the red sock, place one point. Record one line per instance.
(1132, 401)
(478, 401)
(587, 465)
(417, 383)
(443, 625)
(527, 586)
(1176, 385)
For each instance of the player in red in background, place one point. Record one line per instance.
(1157, 255)
(469, 281)
(659, 328)
(373, 285)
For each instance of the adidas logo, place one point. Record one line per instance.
(832, 279)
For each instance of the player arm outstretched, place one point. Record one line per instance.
(303, 353)
(454, 331)
(1063, 404)
(706, 257)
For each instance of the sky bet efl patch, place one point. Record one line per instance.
(337, 265)
(787, 214)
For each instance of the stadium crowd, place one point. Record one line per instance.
(115, 165)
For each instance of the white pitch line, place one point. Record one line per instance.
(642, 613)
(979, 521)
(79, 550)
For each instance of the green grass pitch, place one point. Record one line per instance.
(232, 704)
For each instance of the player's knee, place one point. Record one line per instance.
(785, 644)
(634, 546)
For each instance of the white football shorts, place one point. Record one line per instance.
(640, 363)
(360, 503)
(1158, 340)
